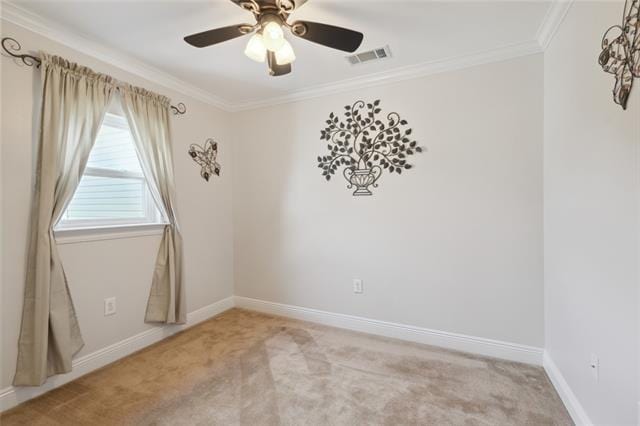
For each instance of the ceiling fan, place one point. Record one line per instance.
(268, 43)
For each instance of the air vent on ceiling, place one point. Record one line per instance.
(370, 55)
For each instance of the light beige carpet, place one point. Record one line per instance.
(253, 369)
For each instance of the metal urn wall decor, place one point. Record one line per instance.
(206, 158)
(365, 146)
(621, 52)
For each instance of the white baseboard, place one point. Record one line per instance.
(12, 396)
(209, 311)
(460, 342)
(575, 409)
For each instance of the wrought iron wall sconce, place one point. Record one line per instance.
(621, 52)
(12, 47)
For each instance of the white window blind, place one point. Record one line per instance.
(113, 190)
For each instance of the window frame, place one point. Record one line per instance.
(153, 221)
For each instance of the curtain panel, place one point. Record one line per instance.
(148, 116)
(75, 100)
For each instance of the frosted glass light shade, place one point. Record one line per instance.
(285, 55)
(273, 36)
(255, 49)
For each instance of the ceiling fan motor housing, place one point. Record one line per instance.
(267, 17)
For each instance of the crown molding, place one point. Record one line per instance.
(551, 22)
(47, 28)
(399, 74)
(15, 14)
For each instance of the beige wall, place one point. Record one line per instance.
(123, 267)
(454, 244)
(592, 191)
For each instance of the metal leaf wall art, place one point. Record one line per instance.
(206, 158)
(366, 146)
(621, 52)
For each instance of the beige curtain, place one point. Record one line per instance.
(74, 102)
(148, 117)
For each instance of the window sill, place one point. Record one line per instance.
(81, 235)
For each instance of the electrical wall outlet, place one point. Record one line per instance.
(357, 286)
(109, 306)
(594, 364)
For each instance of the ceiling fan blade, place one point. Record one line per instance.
(299, 3)
(207, 38)
(328, 35)
(276, 70)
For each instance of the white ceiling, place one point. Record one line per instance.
(416, 31)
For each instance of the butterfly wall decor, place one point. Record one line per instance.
(621, 52)
(206, 158)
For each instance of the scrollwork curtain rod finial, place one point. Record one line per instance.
(12, 48)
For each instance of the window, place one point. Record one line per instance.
(113, 190)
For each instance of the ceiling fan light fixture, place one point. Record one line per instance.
(255, 48)
(268, 43)
(273, 36)
(285, 55)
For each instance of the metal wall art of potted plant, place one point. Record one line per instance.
(206, 158)
(365, 146)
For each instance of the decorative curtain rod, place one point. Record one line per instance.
(12, 47)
